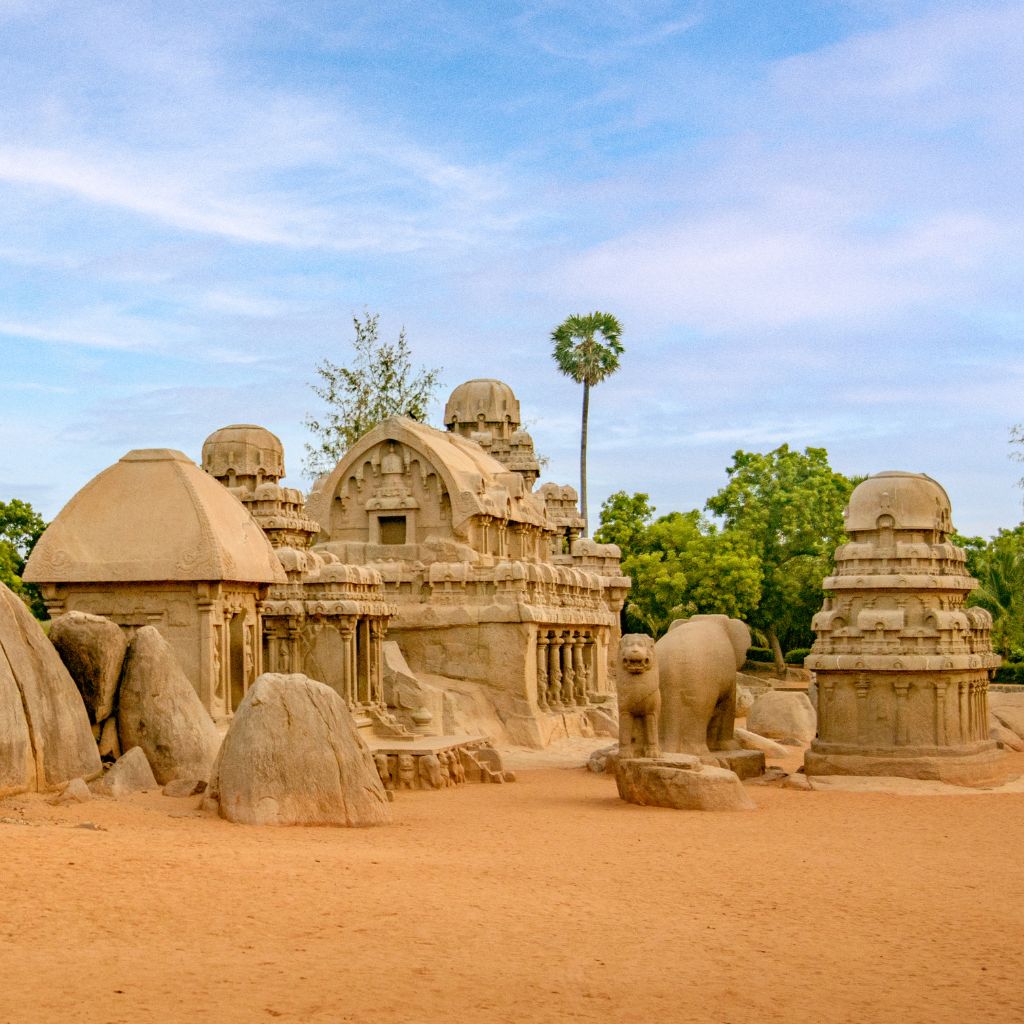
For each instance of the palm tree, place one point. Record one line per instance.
(587, 349)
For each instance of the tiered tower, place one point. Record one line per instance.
(902, 667)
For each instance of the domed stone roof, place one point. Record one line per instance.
(153, 516)
(484, 400)
(913, 500)
(244, 450)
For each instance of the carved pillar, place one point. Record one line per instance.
(554, 670)
(542, 670)
(965, 714)
(863, 686)
(347, 665)
(940, 713)
(377, 647)
(580, 668)
(902, 688)
(568, 676)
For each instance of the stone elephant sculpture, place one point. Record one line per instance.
(697, 663)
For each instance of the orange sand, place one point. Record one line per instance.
(546, 900)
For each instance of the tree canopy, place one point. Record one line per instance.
(781, 518)
(20, 527)
(788, 505)
(587, 349)
(998, 566)
(377, 383)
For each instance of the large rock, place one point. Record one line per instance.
(670, 782)
(783, 716)
(130, 773)
(159, 711)
(752, 741)
(292, 756)
(92, 649)
(45, 737)
(1010, 717)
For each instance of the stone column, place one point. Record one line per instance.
(902, 688)
(347, 664)
(377, 661)
(965, 714)
(580, 668)
(542, 669)
(568, 676)
(940, 713)
(825, 694)
(863, 726)
(554, 670)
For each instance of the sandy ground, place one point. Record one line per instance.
(545, 900)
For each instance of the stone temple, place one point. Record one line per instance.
(426, 579)
(902, 666)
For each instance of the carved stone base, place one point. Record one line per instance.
(682, 782)
(981, 764)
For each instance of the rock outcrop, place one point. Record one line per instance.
(293, 756)
(786, 717)
(131, 773)
(45, 738)
(159, 711)
(93, 650)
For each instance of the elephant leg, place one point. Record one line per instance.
(693, 729)
(720, 728)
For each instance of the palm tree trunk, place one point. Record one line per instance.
(583, 456)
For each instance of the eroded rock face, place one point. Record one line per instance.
(159, 711)
(92, 649)
(786, 717)
(45, 738)
(293, 756)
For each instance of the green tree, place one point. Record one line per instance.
(998, 566)
(587, 349)
(788, 505)
(20, 527)
(680, 564)
(378, 382)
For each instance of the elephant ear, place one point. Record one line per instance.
(676, 622)
(739, 636)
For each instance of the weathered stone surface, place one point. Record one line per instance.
(604, 760)
(130, 773)
(747, 764)
(787, 717)
(92, 649)
(75, 792)
(184, 787)
(1010, 717)
(753, 741)
(744, 700)
(657, 782)
(292, 756)
(109, 742)
(697, 662)
(1006, 738)
(159, 711)
(45, 738)
(639, 696)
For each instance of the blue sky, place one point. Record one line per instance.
(807, 215)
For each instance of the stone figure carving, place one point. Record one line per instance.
(446, 775)
(697, 662)
(406, 771)
(458, 772)
(430, 771)
(639, 697)
(384, 770)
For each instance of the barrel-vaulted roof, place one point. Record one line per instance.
(477, 483)
(153, 516)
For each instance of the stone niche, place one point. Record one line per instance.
(902, 666)
(154, 541)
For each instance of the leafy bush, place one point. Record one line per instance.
(797, 655)
(1013, 672)
(760, 654)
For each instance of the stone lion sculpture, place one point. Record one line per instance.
(697, 663)
(639, 697)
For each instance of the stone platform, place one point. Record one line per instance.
(680, 781)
